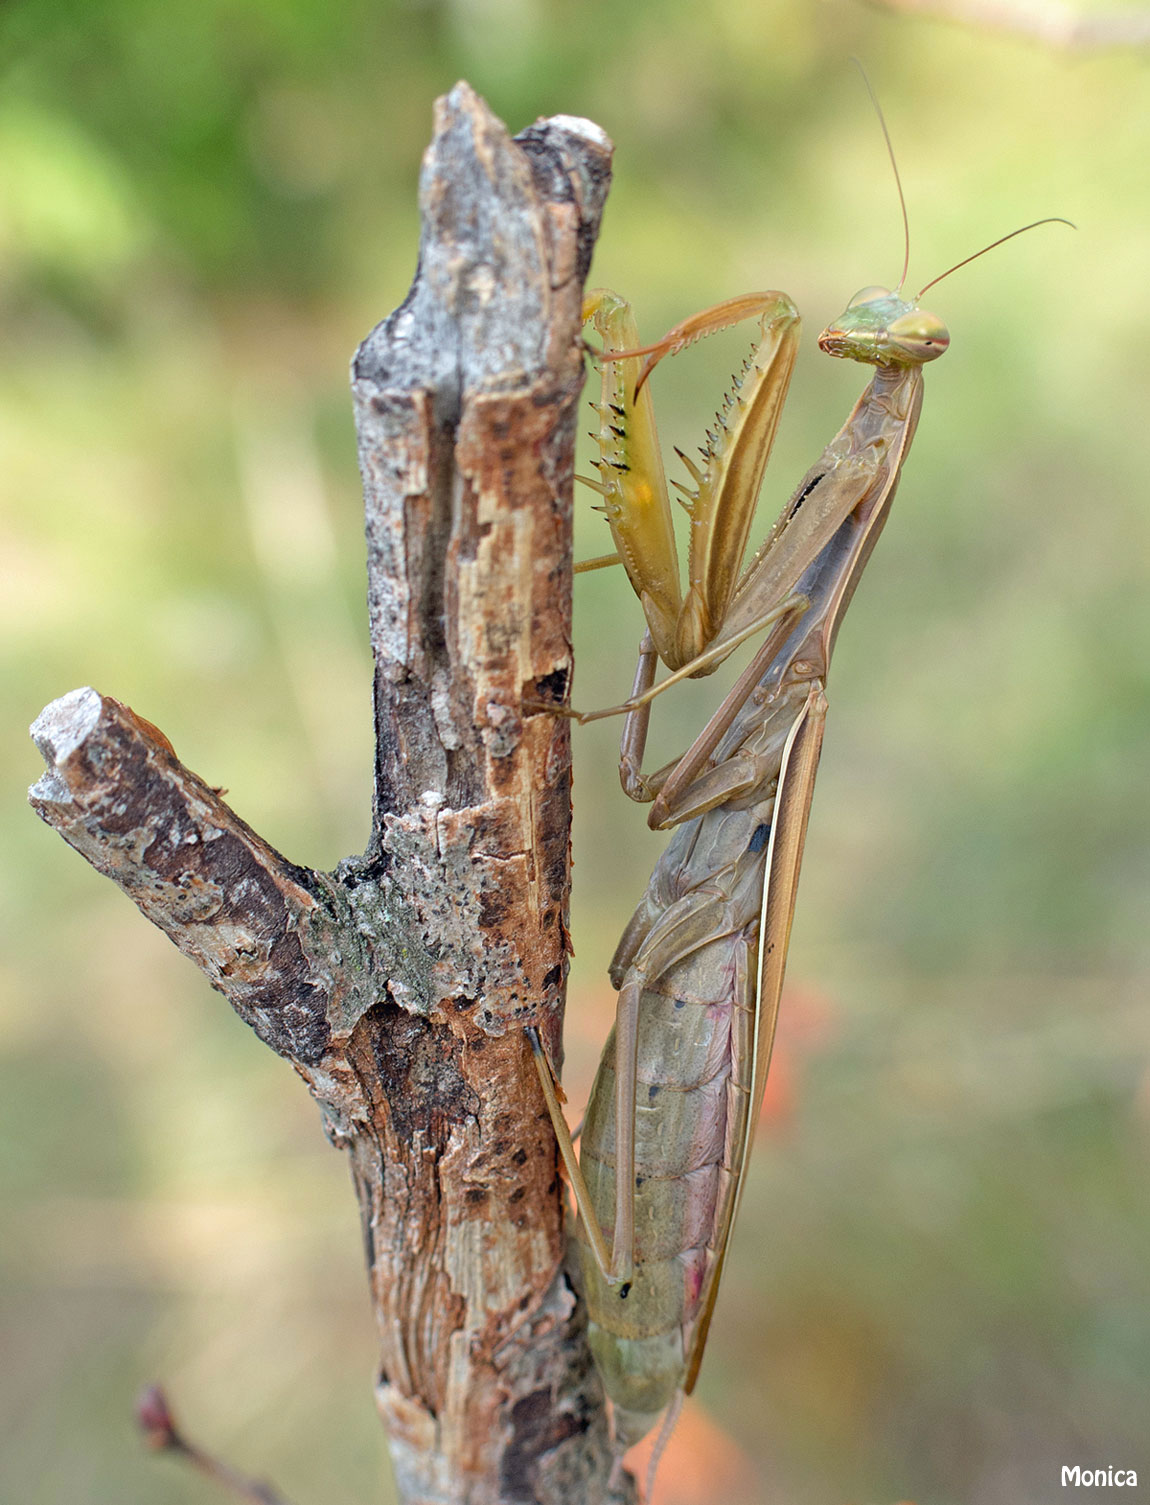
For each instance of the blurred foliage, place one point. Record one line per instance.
(940, 1286)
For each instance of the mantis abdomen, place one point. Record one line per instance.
(696, 1033)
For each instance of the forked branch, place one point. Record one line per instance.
(398, 986)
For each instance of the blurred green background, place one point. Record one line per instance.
(940, 1286)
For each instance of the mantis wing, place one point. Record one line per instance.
(784, 859)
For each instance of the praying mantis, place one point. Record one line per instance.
(699, 969)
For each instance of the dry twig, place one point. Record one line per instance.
(158, 1425)
(1050, 22)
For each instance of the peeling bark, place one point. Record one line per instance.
(398, 986)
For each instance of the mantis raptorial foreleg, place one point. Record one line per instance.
(665, 786)
(723, 490)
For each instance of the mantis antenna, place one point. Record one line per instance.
(1053, 219)
(894, 169)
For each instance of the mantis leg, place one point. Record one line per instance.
(634, 739)
(614, 1263)
(788, 608)
(645, 787)
(800, 764)
(626, 1085)
(567, 1152)
(599, 562)
(670, 807)
(637, 929)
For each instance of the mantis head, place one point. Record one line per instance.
(882, 329)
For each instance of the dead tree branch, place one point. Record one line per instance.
(398, 986)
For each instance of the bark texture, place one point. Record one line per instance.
(398, 986)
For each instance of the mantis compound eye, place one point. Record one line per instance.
(919, 336)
